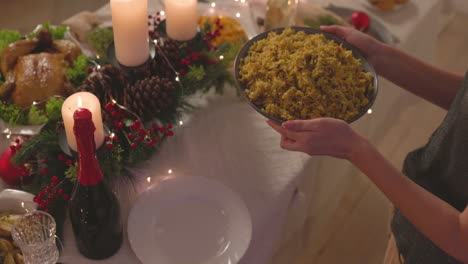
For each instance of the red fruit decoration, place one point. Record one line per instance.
(9, 173)
(360, 21)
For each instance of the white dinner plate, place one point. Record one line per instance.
(189, 220)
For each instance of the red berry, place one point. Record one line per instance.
(151, 131)
(53, 184)
(360, 20)
(47, 189)
(115, 138)
(40, 195)
(182, 71)
(217, 21)
(220, 27)
(169, 134)
(154, 140)
(130, 136)
(169, 126)
(42, 205)
(120, 125)
(150, 16)
(46, 202)
(89, 70)
(68, 162)
(157, 13)
(45, 171)
(137, 123)
(155, 126)
(162, 129)
(106, 138)
(109, 107)
(47, 210)
(142, 133)
(66, 197)
(59, 191)
(139, 139)
(158, 19)
(55, 179)
(17, 141)
(133, 145)
(52, 196)
(61, 157)
(109, 146)
(36, 199)
(150, 144)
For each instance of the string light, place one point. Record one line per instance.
(162, 13)
(169, 171)
(148, 179)
(177, 79)
(369, 111)
(242, 1)
(213, 4)
(221, 57)
(181, 122)
(237, 14)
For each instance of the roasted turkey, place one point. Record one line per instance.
(35, 69)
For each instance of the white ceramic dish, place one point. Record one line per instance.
(192, 220)
(16, 201)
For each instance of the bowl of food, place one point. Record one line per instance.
(304, 73)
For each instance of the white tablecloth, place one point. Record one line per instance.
(226, 140)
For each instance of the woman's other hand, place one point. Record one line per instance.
(321, 136)
(367, 44)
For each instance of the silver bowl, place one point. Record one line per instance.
(356, 53)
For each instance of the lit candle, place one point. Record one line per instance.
(130, 26)
(82, 100)
(181, 19)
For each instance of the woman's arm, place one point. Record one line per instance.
(440, 222)
(433, 84)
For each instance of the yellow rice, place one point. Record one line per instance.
(294, 75)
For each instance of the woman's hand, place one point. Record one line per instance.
(362, 41)
(321, 136)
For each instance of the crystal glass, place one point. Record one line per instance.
(34, 233)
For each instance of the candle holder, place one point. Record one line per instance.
(63, 143)
(111, 56)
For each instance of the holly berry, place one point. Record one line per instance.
(40, 195)
(68, 162)
(47, 189)
(109, 146)
(52, 196)
(36, 199)
(55, 179)
(130, 136)
(66, 197)
(45, 171)
(89, 70)
(47, 210)
(60, 191)
(133, 145)
(360, 21)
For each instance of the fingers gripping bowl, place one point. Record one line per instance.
(304, 73)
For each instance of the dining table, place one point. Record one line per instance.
(224, 139)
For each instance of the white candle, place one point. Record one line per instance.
(181, 19)
(82, 100)
(130, 25)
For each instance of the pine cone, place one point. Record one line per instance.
(167, 49)
(107, 83)
(151, 96)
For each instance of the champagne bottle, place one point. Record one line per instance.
(94, 210)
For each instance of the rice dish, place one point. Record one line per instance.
(295, 75)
